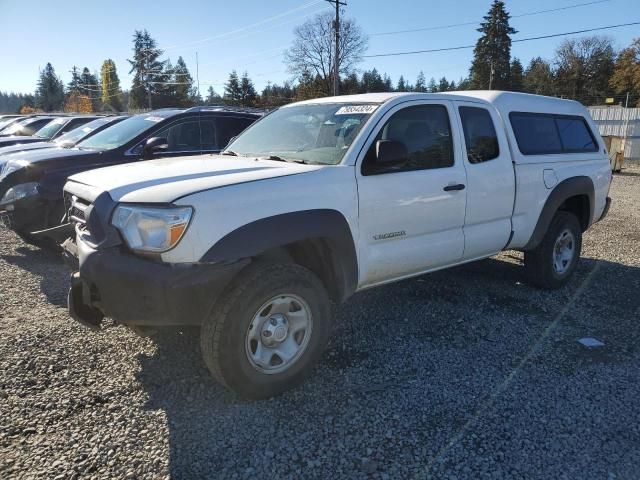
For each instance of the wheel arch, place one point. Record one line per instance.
(319, 240)
(575, 195)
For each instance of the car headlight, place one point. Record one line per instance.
(151, 229)
(20, 191)
(11, 166)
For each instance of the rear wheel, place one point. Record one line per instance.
(268, 330)
(551, 264)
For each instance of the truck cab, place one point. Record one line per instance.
(321, 199)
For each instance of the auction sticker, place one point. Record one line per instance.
(356, 109)
(154, 119)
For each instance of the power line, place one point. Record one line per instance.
(463, 47)
(465, 24)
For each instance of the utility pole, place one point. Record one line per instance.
(336, 63)
(491, 76)
(198, 76)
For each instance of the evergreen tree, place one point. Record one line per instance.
(350, 85)
(50, 90)
(232, 90)
(91, 88)
(539, 77)
(443, 85)
(247, 91)
(493, 51)
(373, 82)
(421, 83)
(212, 97)
(184, 90)
(110, 86)
(517, 75)
(13, 102)
(402, 85)
(433, 86)
(74, 84)
(147, 69)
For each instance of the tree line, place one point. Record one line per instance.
(587, 69)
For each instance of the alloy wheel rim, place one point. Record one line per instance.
(563, 252)
(278, 334)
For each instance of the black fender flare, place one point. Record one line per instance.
(566, 189)
(262, 235)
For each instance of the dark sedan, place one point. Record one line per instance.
(31, 182)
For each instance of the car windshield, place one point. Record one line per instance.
(50, 128)
(16, 127)
(74, 136)
(311, 133)
(5, 122)
(120, 133)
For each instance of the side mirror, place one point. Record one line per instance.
(391, 153)
(153, 145)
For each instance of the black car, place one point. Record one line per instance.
(49, 131)
(31, 182)
(26, 127)
(68, 139)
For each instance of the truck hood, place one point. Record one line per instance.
(165, 180)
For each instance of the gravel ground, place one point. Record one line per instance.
(467, 373)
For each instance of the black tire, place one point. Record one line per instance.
(223, 335)
(539, 262)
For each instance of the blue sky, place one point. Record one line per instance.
(252, 34)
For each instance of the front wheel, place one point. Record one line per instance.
(551, 264)
(268, 331)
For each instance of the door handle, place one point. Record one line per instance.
(457, 186)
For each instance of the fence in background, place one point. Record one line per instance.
(620, 122)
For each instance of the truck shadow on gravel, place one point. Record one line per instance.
(48, 266)
(407, 365)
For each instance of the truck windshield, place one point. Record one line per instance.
(312, 133)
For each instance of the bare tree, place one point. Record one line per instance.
(312, 50)
(583, 67)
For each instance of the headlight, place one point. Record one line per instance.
(151, 229)
(20, 191)
(11, 166)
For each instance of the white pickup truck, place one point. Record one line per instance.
(324, 198)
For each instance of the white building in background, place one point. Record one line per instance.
(612, 121)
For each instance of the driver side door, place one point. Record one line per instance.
(411, 216)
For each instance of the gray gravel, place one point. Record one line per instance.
(468, 373)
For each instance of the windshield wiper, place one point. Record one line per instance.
(230, 153)
(288, 160)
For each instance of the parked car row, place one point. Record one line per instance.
(315, 201)
(31, 182)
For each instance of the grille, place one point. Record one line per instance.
(76, 208)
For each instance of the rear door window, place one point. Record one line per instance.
(229, 127)
(479, 134)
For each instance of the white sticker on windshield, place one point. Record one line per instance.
(154, 119)
(356, 109)
(86, 129)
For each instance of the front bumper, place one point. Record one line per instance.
(132, 290)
